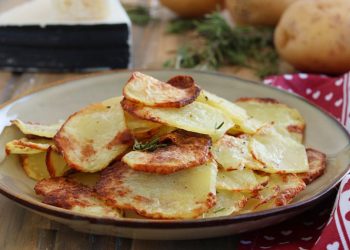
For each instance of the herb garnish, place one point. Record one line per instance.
(244, 46)
(139, 15)
(148, 146)
(219, 126)
(219, 210)
(178, 25)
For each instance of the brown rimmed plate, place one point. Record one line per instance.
(57, 102)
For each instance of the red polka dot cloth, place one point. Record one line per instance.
(326, 226)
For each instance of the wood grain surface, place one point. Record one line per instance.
(22, 229)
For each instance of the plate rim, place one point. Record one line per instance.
(169, 224)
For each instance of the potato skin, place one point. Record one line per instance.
(257, 12)
(192, 8)
(313, 36)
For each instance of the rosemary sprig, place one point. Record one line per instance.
(220, 125)
(139, 15)
(177, 26)
(148, 146)
(244, 46)
(219, 210)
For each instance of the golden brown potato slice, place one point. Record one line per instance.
(195, 117)
(34, 166)
(55, 163)
(144, 89)
(317, 165)
(244, 180)
(184, 194)
(267, 110)
(280, 190)
(179, 150)
(227, 203)
(93, 137)
(26, 146)
(277, 153)
(232, 153)
(69, 194)
(141, 129)
(40, 130)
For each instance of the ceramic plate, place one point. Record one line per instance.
(58, 102)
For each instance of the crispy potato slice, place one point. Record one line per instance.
(239, 116)
(232, 153)
(69, 194)
(244, 180)
(185, 194)
(34, 166)
(93, 137)
(317, 165)
(144, 89)
(195, 117)
(40, 130)
(268, 110)
(278, 154)
(227, 203)
(184, 150)
(55, 163)
(141, 129)
(280, 190)
(26, 146)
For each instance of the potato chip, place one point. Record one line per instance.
(184, 194)
(195, 117)
(26, 146)
(40, 130)
(232, 153)
(179, 150)
(280, 190)
(66, 193)
(144, 89)
(93, 137)
(55, 163)
(317, 165)
(238, 115)
(34, 166)
(227, 203)
(268, 110)
(244, 180)
(278, 154)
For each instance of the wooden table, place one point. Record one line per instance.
(21, 229)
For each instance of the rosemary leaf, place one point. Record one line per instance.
(177, 26)
(220, 125)
(139, 15)
(148, 146)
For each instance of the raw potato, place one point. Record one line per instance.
(257, 12)
(40, 130)
(266, 110)
(195, 117)
(144, 89)
(314, 36)
(69, 194)
(185, 194)
(227, 203)
(186, 150)
(94, 136)
(34, 166)
(192, 8)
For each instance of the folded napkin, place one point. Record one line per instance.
(322, 227)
